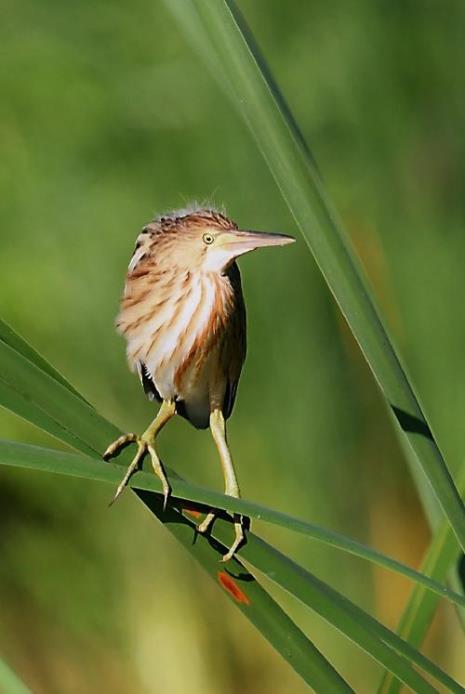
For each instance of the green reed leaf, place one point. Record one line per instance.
(52, 404)
(57, 407)
(10, 682)
(421, 606)
(49, 460)
(241, 66)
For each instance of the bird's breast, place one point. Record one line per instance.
(176, 330)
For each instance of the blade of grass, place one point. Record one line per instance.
(10, 682)
(80, 466)
(292, 644)
(339, 611)
(22, 377)
(10, 338)
(253, 601)
(75, 442)
(455, 577)
(246, 77)
(327, 598)
(239, 63)
(268, 132)
(445, 550)
(75, 465)
(332, 608)
(421, 606)
(26, 390)
(237, 583)
(19, 344)
(283, 106)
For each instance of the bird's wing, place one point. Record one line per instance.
(235, 344)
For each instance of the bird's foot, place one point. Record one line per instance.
(240, 525)
(144, 446)
(207, 522)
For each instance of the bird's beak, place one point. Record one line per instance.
(239, 242)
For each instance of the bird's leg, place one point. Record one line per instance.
(218, 429)
(145, 444)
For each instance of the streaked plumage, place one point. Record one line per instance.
(185, 330)
(183, 317)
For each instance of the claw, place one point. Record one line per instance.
(207, 522)
(160, 473)
(238, 540)
(133, 467)
(240, 523)
(118, 492)
(115, 447)
(143, 447)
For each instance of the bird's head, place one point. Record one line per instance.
(204, 240)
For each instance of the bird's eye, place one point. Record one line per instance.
(208, 239)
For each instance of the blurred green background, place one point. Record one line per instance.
(107, 117)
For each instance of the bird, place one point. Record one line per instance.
(183, 316)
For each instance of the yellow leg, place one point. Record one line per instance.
(218, 429)
(145, 444)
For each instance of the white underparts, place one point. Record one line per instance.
(176, 328)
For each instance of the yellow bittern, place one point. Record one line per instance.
(183, 317)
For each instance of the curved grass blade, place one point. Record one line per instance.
(10, 682)
(49, 460)
(300, 185)
(340, 612)
(91, 431)
(276, 567)
(253, 601)
(58, 409)
(201, 38)
(457, 560)
(25, 389)
(237, 583)
(421, 606)
(19, 344)
(238, 56)
(343, 614)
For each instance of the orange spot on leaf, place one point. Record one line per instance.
(233, 589)
(192, 512)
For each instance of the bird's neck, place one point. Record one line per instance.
(219, 296)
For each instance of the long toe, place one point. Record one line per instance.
(166, 494)
(115, 447)
(119, 491)
(205, 525)
(160, 472)
(239, 539)
(233, 549)
(133, 467)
